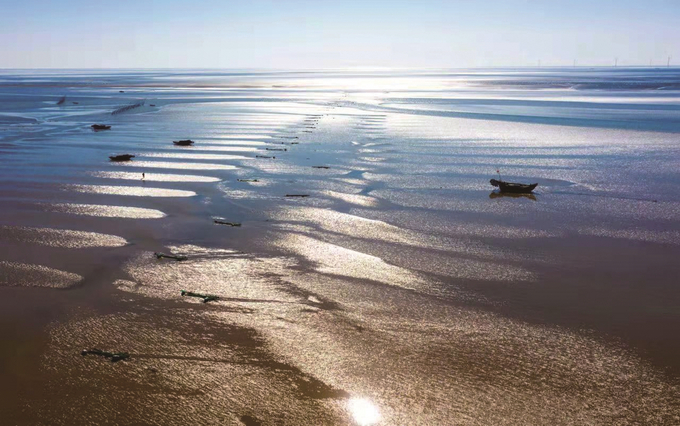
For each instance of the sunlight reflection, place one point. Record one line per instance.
(105, 211)
(134, 191)
(155, 177)
(194, 156)
(363, 411)
(177, 165)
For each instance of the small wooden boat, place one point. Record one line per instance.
(206, 297)
(115, 356)
(222, 222)
(122, 157)
(176, 257)
(515, 188)
(100, 127)
(184, 142)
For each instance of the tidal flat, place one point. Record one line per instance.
(372, 275)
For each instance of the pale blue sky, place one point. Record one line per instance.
(330, 34)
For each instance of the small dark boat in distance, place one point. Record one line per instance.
(96, 127)
(122, 157)
(222, 222)
(515, 188)
(184, 142)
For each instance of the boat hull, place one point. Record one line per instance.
(125, 157)
(513, 188)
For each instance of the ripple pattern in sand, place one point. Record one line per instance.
(98, 210)
(63, 238)
(14, 274)
(133, 191)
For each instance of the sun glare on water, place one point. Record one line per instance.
(364, 412)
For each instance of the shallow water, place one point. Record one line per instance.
(401, 290)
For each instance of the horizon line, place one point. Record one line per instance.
(357, 68)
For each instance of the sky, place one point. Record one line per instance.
(306, 34)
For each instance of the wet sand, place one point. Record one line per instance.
(401, 290)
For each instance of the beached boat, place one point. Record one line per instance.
(100, 127)
(516, 188)
(184, 142)
(122, 157)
